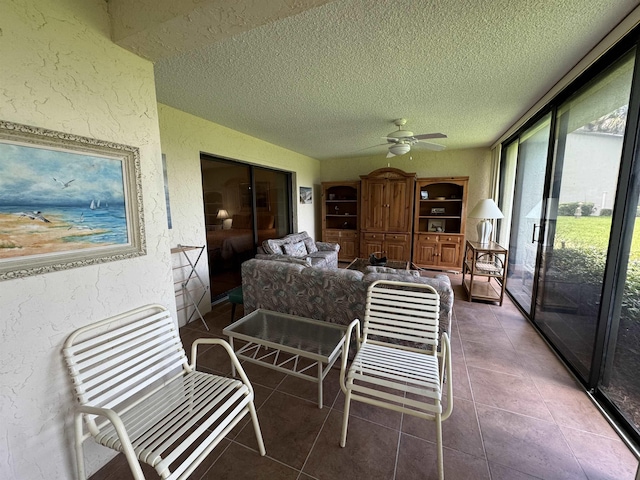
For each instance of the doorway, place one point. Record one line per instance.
(243, 206)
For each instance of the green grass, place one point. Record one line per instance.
(591, 232)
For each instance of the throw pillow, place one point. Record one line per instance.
(311, 245)
(297, 249)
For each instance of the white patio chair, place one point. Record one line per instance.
(407, 378)
(138, 394)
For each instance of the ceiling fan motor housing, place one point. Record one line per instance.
(400, 148)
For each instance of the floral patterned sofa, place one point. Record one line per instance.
(333, 295)
(302, 247)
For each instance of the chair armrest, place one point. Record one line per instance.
(445, 372)
(230, 352)
(328, 247)
(345, 350)
(115, 420)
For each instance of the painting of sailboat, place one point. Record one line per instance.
(53, 203)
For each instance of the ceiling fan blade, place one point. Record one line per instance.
(426, 136)
(374, 146)
(430, 146)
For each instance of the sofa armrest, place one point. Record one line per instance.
(328, 247)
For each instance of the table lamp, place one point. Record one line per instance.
(224, 216)
(487, 210)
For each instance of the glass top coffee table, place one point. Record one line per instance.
(287, 343)
(361, 264)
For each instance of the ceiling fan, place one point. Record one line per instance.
(401, 141)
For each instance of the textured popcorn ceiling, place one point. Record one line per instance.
(328, 78)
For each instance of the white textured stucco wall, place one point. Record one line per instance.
(184, 136)
(61, 71)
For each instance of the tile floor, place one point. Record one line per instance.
(518, 414)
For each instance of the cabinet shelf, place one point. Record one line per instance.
(439, 222)
(340, 198)
(486, 270)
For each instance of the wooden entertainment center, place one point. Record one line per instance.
(394, 214)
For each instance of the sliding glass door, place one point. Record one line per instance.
(570, 185)
(529, 155)
(589, 132)
(243, 206)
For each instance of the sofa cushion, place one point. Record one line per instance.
(325, 255)
(275, 245)
(297, 249)
(311, 245)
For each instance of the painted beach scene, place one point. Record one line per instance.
(54, 201)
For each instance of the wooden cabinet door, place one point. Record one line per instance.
(449, 255)
(397, 247)
(331, 236)
(371, 243)
(348, 246)
(398, 199)
(425, 250)
(374, 204)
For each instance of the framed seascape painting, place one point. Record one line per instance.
(66, 201)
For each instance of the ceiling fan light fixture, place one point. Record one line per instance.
(400, 148)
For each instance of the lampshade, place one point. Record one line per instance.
(400, 148)
(222, 214)
(485, 209)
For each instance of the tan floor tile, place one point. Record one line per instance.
(370, 451)
(289, 428)
(417, 460)
(241, 463)
(601, 458)
(459, 432)
(528, 445)
(508, 392)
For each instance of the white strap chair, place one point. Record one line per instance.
(139, 395)
(410, 374)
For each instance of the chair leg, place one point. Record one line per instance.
(345, 418)
(79, 450)
(439, 446)
(256, 427)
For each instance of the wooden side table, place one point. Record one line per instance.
(484, 271)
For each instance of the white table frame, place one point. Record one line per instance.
(251, 352)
